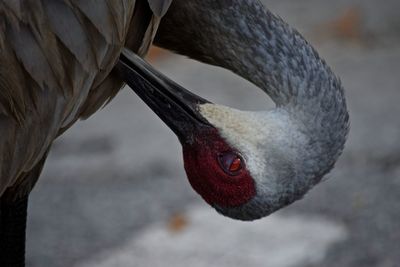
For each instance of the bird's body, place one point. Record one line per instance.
(56, 58)
(56, 61)
(60, 60)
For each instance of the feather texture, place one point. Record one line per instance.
(56, 66)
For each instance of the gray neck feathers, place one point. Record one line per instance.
(244, 37)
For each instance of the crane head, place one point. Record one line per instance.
(244, 164)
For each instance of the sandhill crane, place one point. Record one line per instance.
(57, 65)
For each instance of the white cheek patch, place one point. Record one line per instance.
(242, 130)
(255, 135)
(236, 125)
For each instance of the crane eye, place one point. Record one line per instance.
(230, 162)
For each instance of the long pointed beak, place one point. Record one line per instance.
(175, 105)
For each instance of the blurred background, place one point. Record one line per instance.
(114, 192)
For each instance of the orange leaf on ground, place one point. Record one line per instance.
(348, 24)
(156, 53)
(177, 223)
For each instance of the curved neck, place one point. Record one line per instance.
(244, 37)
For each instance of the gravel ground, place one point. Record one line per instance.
(115, 181)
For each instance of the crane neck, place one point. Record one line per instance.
(244, 37)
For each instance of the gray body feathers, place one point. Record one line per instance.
(56, 67)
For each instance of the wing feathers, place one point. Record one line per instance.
(53, 55)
